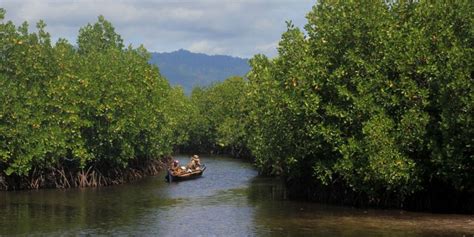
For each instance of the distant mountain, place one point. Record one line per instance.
(196, 69)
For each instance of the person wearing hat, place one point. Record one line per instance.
(195, 163)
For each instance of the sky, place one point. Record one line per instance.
(239, 28)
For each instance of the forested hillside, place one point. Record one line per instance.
(189, 69)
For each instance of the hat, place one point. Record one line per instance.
(195, 156)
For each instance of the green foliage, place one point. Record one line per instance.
(377, 97)
(217, 123)
(179, 114)
(99, 104)
(98, 37)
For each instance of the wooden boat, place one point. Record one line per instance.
(170, 177)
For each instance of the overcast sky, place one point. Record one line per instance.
(233, 27)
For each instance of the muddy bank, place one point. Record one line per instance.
(95, 175)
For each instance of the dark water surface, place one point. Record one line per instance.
(229, 200)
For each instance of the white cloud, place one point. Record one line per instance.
(235, 27)
(268, 49)
(207, 47)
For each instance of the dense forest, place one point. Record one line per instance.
(76, 115)
(370, 104)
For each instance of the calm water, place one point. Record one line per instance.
(229, 200)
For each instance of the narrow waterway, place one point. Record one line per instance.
(229, 200)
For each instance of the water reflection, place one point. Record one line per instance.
(275, 216)
(229, 200)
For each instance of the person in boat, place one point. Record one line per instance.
(175, 168)
(174, 165)
(197, 162)
(194, 164)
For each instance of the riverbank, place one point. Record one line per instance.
(64, 176)
(435, 198)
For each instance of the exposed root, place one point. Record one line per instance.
(62, 177)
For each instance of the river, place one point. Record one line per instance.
(229, 200)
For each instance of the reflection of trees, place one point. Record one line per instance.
(276, 216)
(267, 195)
(265, 189)
(78, 210)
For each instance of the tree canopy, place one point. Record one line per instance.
(97, 104)
(375, 96)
